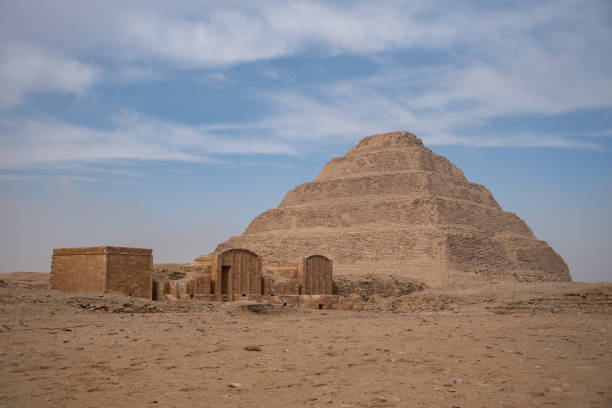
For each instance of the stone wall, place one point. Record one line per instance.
(246, 275)
(78, 269)
(181, 282)
(129, 272)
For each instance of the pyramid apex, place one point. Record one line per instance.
(386, 141)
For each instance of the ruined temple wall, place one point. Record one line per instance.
(202, 285)
(289, 288)
(211, 262)
(160, 289)
(79, 269)
(205, 259)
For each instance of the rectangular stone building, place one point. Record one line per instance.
(106, 269)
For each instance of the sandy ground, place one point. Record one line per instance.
(494, 346)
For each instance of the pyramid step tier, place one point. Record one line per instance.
(412, 210)
(410, 183)
(377, 162)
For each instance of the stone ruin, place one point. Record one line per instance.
(231, 275)
(239, 274)
(105, 269)
(392, 206)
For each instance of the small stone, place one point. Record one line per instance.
(234, 385)
(115, 380)
(252, 347)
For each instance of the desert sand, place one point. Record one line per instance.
(498, 345)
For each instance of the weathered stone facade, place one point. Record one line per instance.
(240, 274)
(105, 269)
(392, 206)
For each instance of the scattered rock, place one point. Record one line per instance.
(261, 308)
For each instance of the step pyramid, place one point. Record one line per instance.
(392, 206)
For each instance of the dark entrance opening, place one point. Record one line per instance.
(320, 306)
(225, 273)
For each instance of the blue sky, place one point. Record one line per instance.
(171, 127)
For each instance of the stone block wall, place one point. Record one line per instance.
(181, 281)
(129, 272)
(78, 269)
(106, 269)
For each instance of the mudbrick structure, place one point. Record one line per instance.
(104, 269)
(391, 205)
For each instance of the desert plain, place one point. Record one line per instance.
(494, 345)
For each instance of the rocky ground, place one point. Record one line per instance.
(503, 345)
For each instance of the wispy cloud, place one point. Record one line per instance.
(27, 69)
(29, 142)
